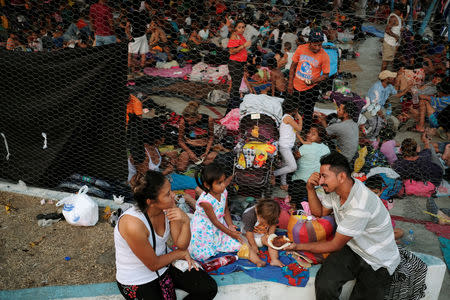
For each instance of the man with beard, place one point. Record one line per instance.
(364, 246)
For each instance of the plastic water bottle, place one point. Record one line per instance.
(183, 205)
(214, 264)
(389, 110)
(409, 239)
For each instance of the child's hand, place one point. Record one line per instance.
(236, 235)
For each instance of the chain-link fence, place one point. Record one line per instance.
(98, 92)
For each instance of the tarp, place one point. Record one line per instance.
(63, 112)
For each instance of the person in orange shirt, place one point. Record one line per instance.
(134, 106)
(310, 65)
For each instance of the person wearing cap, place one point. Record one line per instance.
(384, 89)
(310, 65)
(392, 36)
(432, 106)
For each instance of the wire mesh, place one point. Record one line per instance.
(98, 92)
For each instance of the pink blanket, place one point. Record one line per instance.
(172, 72)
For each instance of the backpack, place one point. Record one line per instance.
(374, 158)
(217, 96)
(391, 186)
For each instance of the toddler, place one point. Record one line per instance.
(260, 221)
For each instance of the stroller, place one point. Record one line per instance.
(257, 145)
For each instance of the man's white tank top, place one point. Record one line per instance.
(390, 40)
(130, 269)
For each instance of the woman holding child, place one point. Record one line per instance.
(143, 261)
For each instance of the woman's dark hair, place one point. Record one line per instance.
(208, 175)
(409, 148)
(289, 107)
(252, 70)
(236, 24)
(321, 132)
(146, 187)
(269, 210)
(386, 134)
(375, 182)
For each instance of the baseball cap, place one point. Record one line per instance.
(315, 35)
(387, 74)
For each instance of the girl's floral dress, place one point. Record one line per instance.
(207, 240)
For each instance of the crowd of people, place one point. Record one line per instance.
(276, 51)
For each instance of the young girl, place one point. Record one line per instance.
(290, 124)
(260, 221)
(308, 162)
(388, 144)
(212, 228)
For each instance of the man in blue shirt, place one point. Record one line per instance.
(432, 106)
(380, 92)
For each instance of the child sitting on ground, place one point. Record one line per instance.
(211, 227)
(375, 184)
(387, 144)
(260, 221)
(277, 79)
(255, 83)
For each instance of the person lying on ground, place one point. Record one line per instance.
(143, 261)
(255, 83)
(363, 247)
(195, 137)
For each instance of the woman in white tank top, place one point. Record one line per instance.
(143, 261)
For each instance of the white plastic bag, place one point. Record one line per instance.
(79, 209)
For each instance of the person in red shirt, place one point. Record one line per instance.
(237, 46)
(310, 65)
(101, 19)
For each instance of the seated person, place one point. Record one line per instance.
(346, 131)
(308, 162)
(158, 38)
(260, 221)
(254, 82)
(431, 106)
(384, 89)
(143, 261)
(364, 246)
(195, 137)
(418, 165)
(144, 138)
(278, 81)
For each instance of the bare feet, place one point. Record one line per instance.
(254, 258)
(276, 263)
(272, 180)
(284, 187)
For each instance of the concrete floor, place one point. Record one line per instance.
(410, 207)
